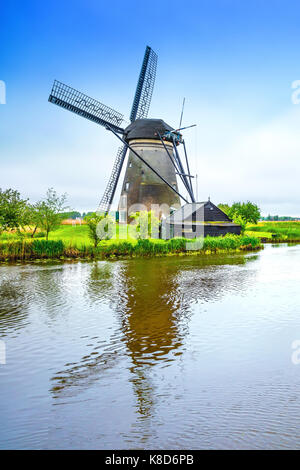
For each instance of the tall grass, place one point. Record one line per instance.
(54, 249)
(26, 250)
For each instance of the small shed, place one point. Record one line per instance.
(198, 219)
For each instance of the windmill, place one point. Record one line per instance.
(153, 160)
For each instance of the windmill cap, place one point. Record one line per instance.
(146, 129)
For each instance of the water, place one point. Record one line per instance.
(167, 353)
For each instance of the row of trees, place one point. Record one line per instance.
(242, 213)
(20, 215)
(280, 218)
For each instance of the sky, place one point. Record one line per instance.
(234, 61)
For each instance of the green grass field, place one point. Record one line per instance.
(253, 233)
(283, 230)
(73, 242)
(75, 236)
(78, 235)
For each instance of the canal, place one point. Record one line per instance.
(165, 353)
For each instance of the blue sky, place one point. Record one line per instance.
(233, 61)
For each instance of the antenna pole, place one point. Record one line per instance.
(180, 122)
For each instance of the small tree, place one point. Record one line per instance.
(241, 222)
(12, 210)
(31, 219)
(100, 227)
(47, 213)
(249, 211)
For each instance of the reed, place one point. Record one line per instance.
(27, 250)
(56, 249)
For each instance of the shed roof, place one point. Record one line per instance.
(184, 212)
(204, 211)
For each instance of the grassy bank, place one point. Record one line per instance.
(280, 231)
(69, 242)
(26, 249)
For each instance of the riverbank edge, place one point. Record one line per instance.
(279, 240)
(23, 251)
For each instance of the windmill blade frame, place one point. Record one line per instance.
(110, 190)
(145, 85)
(73, 100)
(139, 110)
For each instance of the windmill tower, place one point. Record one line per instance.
(142, 189)
(153, 161)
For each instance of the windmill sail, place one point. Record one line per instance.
(75, 101)
(140, 108)
(144, 89)
(111, 187)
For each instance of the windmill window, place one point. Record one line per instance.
(127, 186)
(130, 164)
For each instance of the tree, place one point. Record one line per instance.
(239, 220)
(31, 219)
(12, 210)
(249, 211)
(100, 227)
(47, 213)
(224, 207)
